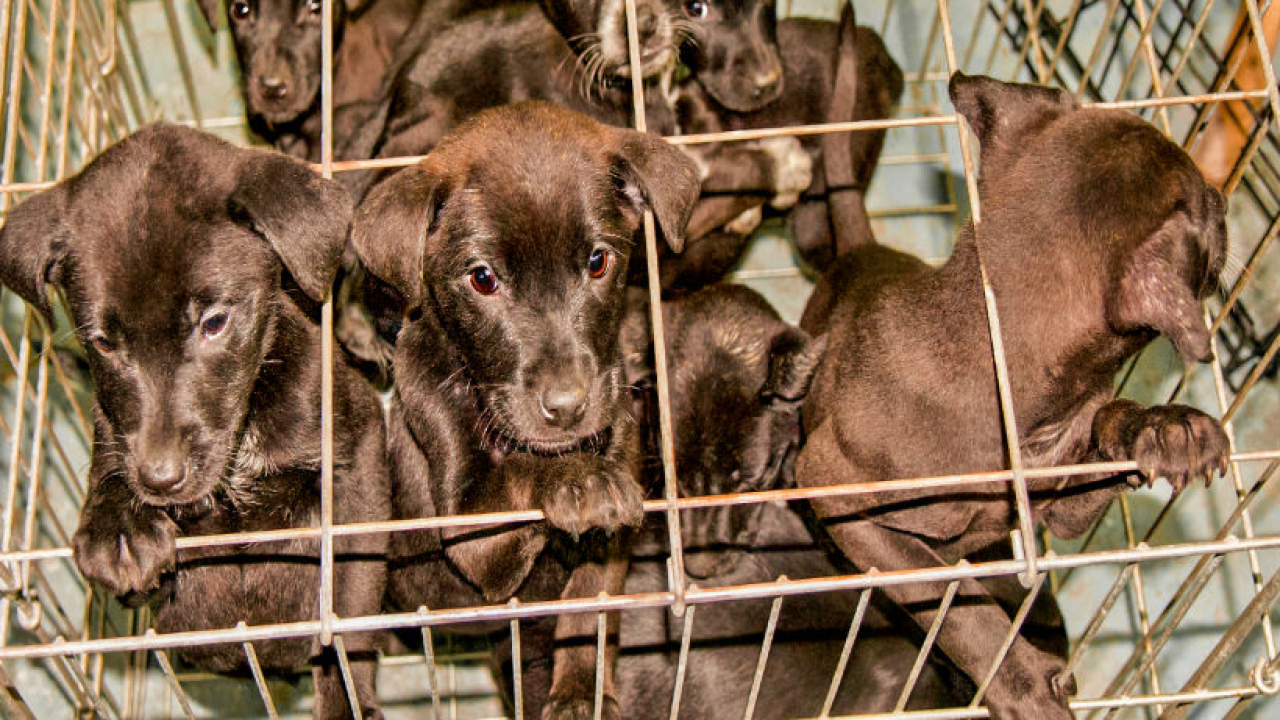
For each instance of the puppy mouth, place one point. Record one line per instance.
(595, 443)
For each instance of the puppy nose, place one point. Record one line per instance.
(162, 474)
(274, 86)
(563, 405)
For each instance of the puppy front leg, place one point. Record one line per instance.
(121, 543)
(573, 678)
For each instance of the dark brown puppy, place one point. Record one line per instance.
(510, 242)
(208, 379)
(833, 72)
(732, 48)
(278, 44)
(1098, 233)
(738, 376)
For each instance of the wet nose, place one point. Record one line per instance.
(563, 404)
(274, 87)
(161, 475)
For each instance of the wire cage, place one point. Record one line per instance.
(1170, 601)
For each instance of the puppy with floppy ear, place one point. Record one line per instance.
(510, 242)
(833, 72)
(208, 382)
(1098, 234)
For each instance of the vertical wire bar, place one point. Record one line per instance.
(1147, 24)
(927, 646)
(864, 598)
(1067, 30)
(670, 489)
(1099, 616)
(682, 662)
(1001, 23)
(1031, 47)
(163, 659)
(64, 125)
(765, 646)
(1021, 496)
(1228, 427)
(517, 672)
(1096, 53)
(46, 92)
(1014, 628)
(597, 701)
(348, 682)
(429, 653)
(255, 668)
(1260, 37)
(326, 342)
(1139, 592)
(180, 54)
(37, 455)
(1196, 31)
(13, 101)
(15, 452)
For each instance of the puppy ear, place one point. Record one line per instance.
(793, 359)
(32, 245)
(656, 175)
(302, 215)
(994, 108)
(391, 226)
(1159, 288)
(209, 9)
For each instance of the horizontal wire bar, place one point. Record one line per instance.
(687, 503)
(515, 610)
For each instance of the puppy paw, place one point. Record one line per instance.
(1175, 442)
(1038, 690)
(602, 497)
(792, 170)
(578, 708)
(127, 551)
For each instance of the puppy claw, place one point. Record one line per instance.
(603, 498)
(127, 553)
(1176, 442)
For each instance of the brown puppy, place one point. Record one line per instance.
(510, 242)
(833, 72)
(1098, 234)
(183, 259)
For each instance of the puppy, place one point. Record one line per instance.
(1098, 234)
(208, 385)
(831, 73)
(732, 49)
(738, 377)
(278, 45)
(510, 243)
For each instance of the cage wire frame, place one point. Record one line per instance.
(84, 62)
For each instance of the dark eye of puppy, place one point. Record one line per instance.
(315, 6)
(212, 325)
(598, 263)
(240, 10)
(696, 9)
(103, 344)
(483, 280)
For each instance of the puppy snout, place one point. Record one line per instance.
(274, 86)
(162, 474)
(563, 403)
(766, 81)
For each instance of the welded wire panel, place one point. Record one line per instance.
(1169, 602)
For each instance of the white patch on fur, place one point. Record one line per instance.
(747, 222)
(792, 170)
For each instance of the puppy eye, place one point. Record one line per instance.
(240, 10)
(483, 280)
(696, 9)
(103, 344)
(315, 6)
(212, 326)
(599, 262)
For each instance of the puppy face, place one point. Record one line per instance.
(278, 44)
(738, 375)
(1150, 226)
(174, 289)
(515, 234)
(597, 31)
(733, 50)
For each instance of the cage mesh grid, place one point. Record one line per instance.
(1169, 601)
